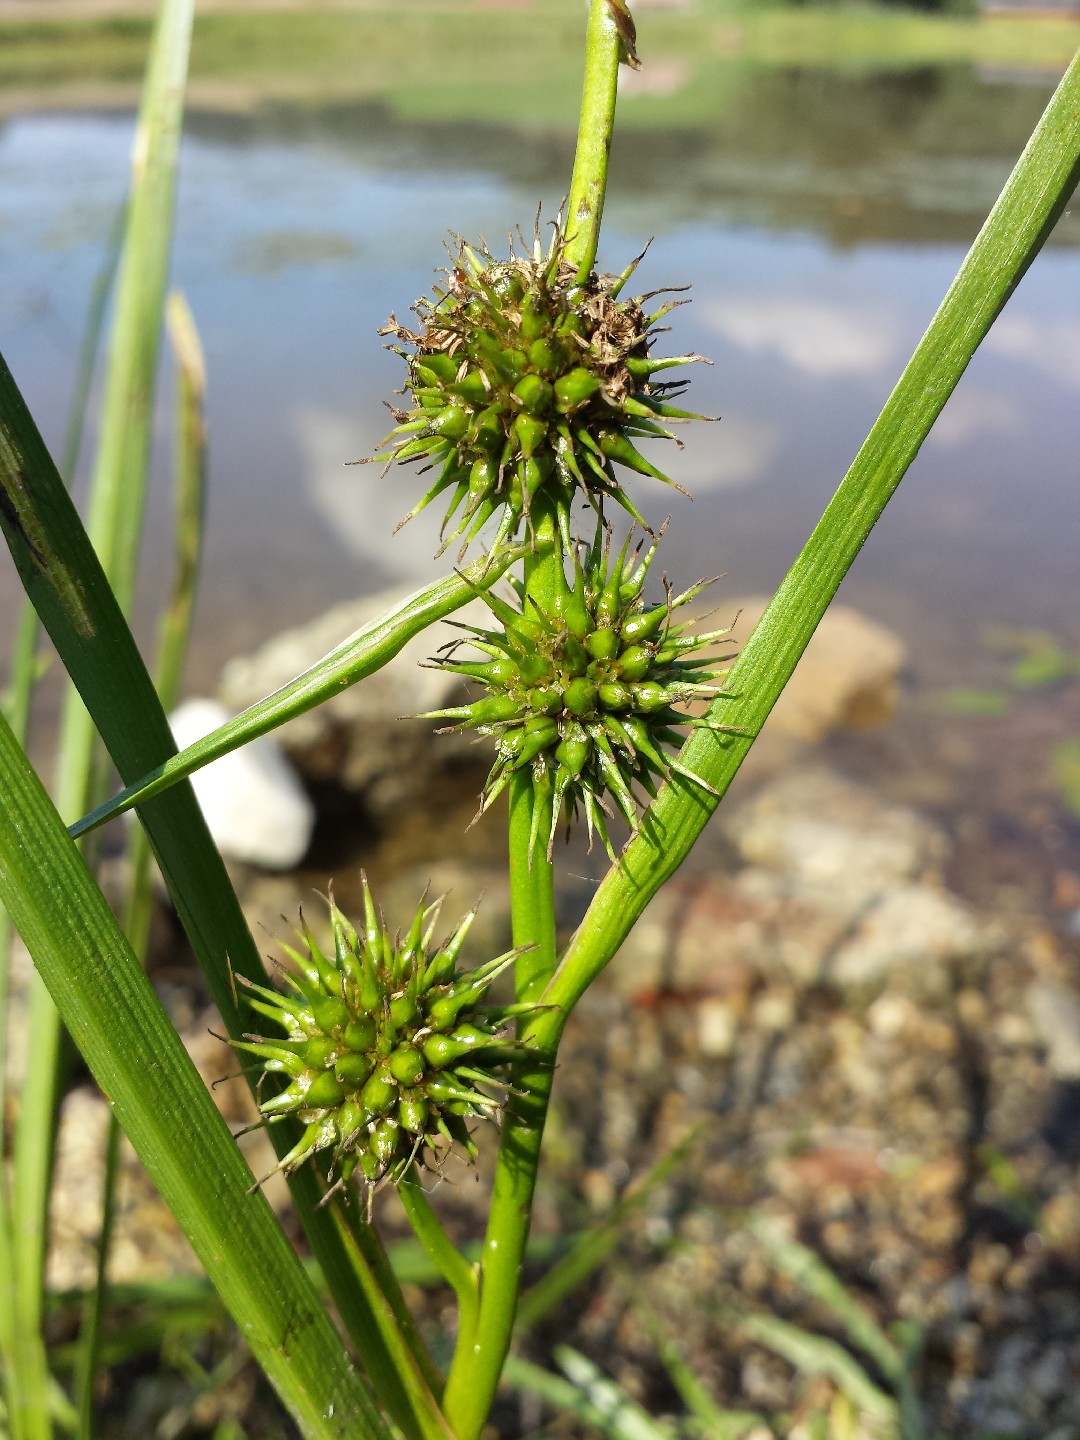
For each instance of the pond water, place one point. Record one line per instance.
(819, 221)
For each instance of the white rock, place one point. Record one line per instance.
(1055, 1013)
(255, 806)
(357, 738)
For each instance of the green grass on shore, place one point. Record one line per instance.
(463, 58)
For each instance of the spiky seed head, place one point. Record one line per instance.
(389, 1048)
(586, 695)
(524, 379)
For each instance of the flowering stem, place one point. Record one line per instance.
(479, 1357)
(585, 207)
(452, 1265)
(483, 1344)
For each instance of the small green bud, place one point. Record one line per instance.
(614, 696)
(404, 1011)
(574, 749)
(574, 388)
(330, 1013)
(437, 369)
(535, 394)
(530, 434)
(579, 697)
(648, 695)
(487, 432)
(360, 1033)
(384, 1141)
(451, 422)
(350, 1116)
(325, 1090)
(353, 1069)
(406, 1065)
(493, 710)
(413, 1112)
(471, 387)
(534, 316)
(319, 1052)
(646, 625)
(635, 662)
(379, 1094)
(440, 1050)
(544, 356)
(602, 644)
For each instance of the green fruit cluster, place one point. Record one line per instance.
(525, 380)
(389, 1049)
(584, 695)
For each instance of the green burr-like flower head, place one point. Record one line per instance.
(523, 381)
(389, 1049)
(585, 694)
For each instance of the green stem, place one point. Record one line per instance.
(475, 1371)
(478, 1360)
(87, 1355)
(585, 207)
(444, 1255)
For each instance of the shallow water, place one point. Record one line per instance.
(819, 221)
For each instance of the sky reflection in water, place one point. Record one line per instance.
(293, 252)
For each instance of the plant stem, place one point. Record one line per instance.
(478, 1358)
(475, 1371)
(585, 207)
(448, 1260)
(393, 1351)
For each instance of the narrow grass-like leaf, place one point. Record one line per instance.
(62, 575)
(587, 1394)
(1034, 196)
(117, 500)
(817, 1355)
(811, 1274)
(136, 1057)
(593, 1246)
(189, 507)
(364, 652)
(712, 1422)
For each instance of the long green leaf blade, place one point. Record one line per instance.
(189, 509)
(1034, 196)
(62, 575)
(368, 650)
(117, 502)
(64, 579)
(137, 1059)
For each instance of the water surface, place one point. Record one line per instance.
(819, 218)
